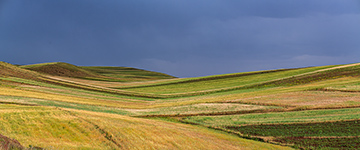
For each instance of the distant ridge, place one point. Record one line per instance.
(127, 72)
(60, 69)
(9, 70)
(100, 73)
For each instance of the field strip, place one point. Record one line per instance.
(150, 95)
(69, 81)
(256, 111)
(321, 70)
(63, 98)
(80, 83)
(45, 86)
(190, 80)
(295, 123)
(99, 88)
(215, 113)
(77, 93)
(110, 84)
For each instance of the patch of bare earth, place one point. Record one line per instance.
(9, 144)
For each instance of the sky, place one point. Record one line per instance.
(183, 38)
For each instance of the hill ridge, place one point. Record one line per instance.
(60, 69)
(99, 73)
(10, 70)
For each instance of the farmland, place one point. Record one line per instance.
(64, 106)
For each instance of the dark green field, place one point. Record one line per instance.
(332, 134)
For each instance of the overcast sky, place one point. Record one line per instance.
(184, 38)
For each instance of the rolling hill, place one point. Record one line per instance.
(116, 74)
(60, 69)
(77, 107)
(9, 70)
(127, 72)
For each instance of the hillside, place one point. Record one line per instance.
(9, 70)
(271, 109)
(116, 74)
(59, 69)
(127, 73)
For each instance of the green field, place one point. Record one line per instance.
(277, 117)
(64, 106)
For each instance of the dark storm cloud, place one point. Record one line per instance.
(183, 38)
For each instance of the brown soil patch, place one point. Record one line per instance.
(9, 144)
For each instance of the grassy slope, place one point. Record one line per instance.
(69, 129)
(191, 87)
(60, 69)
(160, 103)
(288, 91)
(127, 72)
(114, 74)
(211, 84)
(65, 129)
(222, 83)
(9, 70)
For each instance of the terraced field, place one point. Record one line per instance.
(63, 106)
